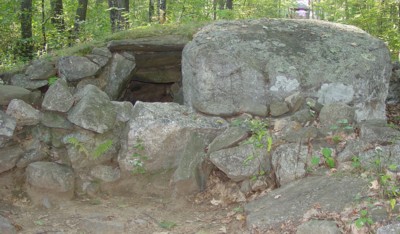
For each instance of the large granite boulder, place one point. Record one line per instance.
(23, 113)
(161, 132)
(232, 67)
(58, 97)
(10, 92)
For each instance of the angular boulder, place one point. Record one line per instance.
(160, 132)
(10, 92)
(75, 68)
(9, 157)
(58, 97)
(24, 113)
(121, 70)
(289, 162)
(232, 67)
(24, 81)
(41, 70)
(94, 110)
(292, 201)
(7, 125)
(48, 181)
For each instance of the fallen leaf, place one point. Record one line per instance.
(223, 229)
(278, 196)
(374, 185)
(240, 217)
(216, 202)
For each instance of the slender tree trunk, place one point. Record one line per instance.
(57, 18)
(123, 6)
(114, 14)
(44, 44)
(151, 10)
(80, 17)
(214, 9)
(162, 11)
(229, 4)
(26, 43)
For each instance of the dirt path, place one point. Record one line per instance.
(151, 210)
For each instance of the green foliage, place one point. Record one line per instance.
(342, 125)
(100, 150)
(139, 158)
(52, 80)
(364, 219)
(167, 224)
(315, 160)
(329, 160)
(355, 162)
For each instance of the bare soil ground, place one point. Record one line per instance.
(142, 205)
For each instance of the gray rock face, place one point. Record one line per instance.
(6, 227)
(189, 177)
(55, 120)
(243, 66)
(389, 229)
(332, 113)
(122, 67)
(40, 70)
(278, 108)
(236, 162)
(289, 162)
(88, 153)
(51, 176)
(124, 110)
(75, 68)
(10, 92)
(7, 125)
(332, 193)
(9, 157)
(22, 80)
(317, 227)
(378, 132)
(105, 173)
(162, 132)
(23, 113)
(228, 138)
(58, 97)
(94, 110)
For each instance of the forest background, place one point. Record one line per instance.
(34, 28)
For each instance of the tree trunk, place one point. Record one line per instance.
(44, 44)
(114, 14)
(57, 18)
(25, 45)
(229, 4)
(214, 9)
(151, 10)
(162, 11)
(80, 17)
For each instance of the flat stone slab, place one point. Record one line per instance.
(291, 202)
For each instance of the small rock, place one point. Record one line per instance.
(230, 137)
(332, 113)
(236, 163)
(9, 157)
(295, 101)
(124, 110)
(105, 173)
(289, 162)
(278, 108)
(24, 113)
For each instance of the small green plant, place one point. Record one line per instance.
(260, 138)
(342, 124)
(52, 80)
(315, 160)
(329, 160)
(167, 224)
(364, 219)
(100, 150)
(139, 158)
(355, 162)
